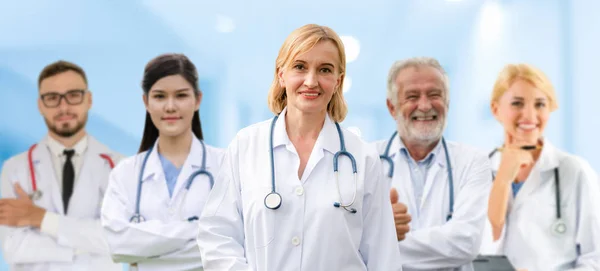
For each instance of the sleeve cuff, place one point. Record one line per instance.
(50, 224)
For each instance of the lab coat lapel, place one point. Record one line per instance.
(46, 177)
(328, 140)
(528, 187)
(429, 183)
(153, 172)
(88, 175)
(192, 163)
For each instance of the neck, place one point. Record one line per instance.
(300, 125)
(68, 142)
(418, 150)
(176, 148)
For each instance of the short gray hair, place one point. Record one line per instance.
(398, 66)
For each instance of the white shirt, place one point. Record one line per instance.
(238, 232)
(59, 158)
(166, 240)
(73, 241)
(527, 239)
(432, 242)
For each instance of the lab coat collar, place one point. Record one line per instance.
(154, 169)
(548, 159)
(326, 139)
(56, 148)
(398, 145)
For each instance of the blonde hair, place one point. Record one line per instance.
(415, 62)
(522, 71)
(298, 42)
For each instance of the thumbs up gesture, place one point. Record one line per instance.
(401, 217)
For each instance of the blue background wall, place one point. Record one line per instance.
(234, 45)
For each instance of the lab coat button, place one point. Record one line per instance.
(299, 191)
(295, 241)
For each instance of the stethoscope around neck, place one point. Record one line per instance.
(559, 226)
(273, 199)
(386, 157)
(137, 217)
(37, 194)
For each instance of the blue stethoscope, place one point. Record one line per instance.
(559, 226)
(385, 156)
(273, 199)
(137, 217)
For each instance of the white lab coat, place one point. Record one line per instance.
(79, 244)
(432, 243)
(527, 240)
(237, 231)
(166, 240)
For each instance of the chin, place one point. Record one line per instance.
(312, 108)
(169, 132)
(529, 137)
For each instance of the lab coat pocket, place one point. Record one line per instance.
(258, 219)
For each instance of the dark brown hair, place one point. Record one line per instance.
(158, 68)
(59, 67)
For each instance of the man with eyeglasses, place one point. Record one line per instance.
(52, 193)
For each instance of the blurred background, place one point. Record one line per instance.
(234, 45)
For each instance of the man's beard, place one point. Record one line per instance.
(65, 131)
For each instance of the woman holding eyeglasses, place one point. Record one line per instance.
(52, 193)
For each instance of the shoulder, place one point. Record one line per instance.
(465, 153)
(380, 145)
(13, 161)
(256, 130)
(251, 136)
(214, 155)
(128, 164)
(104, 150)
(576, 166)
(359, 147)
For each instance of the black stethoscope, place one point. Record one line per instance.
(273, 199)
(559, 226)
(385, 156)
(137, 217)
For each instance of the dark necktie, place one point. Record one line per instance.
(68, 178)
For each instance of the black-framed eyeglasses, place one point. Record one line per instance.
(72, 97)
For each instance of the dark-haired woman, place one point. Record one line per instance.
(153, 200)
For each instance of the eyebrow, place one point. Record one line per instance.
(178, 90)
(536, 99)
(322, 64)
(66, 91)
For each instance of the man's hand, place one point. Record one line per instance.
(401, 217)
(20, 212)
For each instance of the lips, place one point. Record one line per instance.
(527, 126)
(310, 94)
(424, 118)
(171, 118)
(65, 117)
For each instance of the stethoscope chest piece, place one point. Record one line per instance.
(36, 195)
(559, 227)
(273, 200)
(137, 218)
